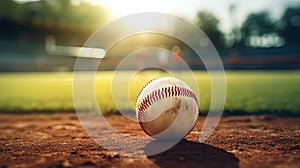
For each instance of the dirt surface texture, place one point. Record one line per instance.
(58, 140)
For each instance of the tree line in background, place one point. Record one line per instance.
(258, 30)
(73, 23)
(70, 23)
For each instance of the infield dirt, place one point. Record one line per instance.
(58, 140)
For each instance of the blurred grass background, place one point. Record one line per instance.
(248, 92)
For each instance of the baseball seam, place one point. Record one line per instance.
(144, 88)
(161, 93)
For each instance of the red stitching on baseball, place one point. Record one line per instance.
(151, 98)
(144, 88)
(158, 95)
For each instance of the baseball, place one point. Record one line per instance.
(167, 108)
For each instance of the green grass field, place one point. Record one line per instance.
(253, 92)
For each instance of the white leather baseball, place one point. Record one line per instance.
(167, 108)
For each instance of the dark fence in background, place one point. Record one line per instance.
(27, 56)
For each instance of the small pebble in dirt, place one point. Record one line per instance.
(73, 152)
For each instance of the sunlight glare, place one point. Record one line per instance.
(149, 23)
(121, 8)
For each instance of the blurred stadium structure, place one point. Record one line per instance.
(46, 35)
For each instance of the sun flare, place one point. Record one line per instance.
(121, 8)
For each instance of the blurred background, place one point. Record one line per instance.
(258, 42)
(247, 34)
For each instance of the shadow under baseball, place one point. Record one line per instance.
(194, 154)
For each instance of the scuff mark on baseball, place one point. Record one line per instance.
(167, 108)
